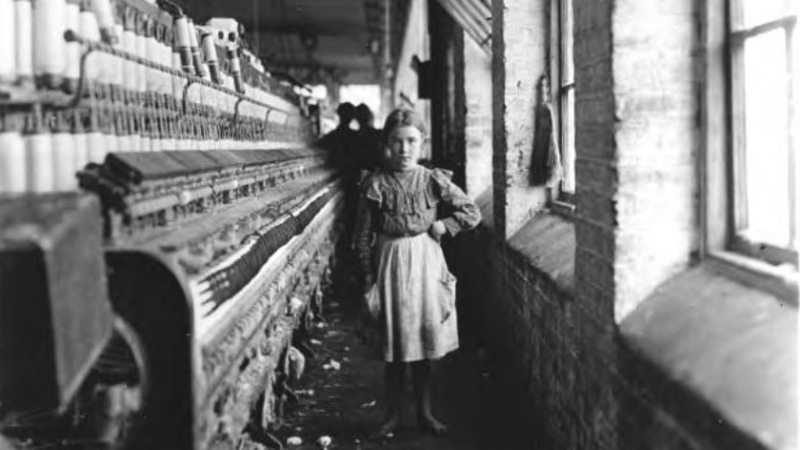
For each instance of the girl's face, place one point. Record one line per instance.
(404, 145)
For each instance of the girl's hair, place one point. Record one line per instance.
(401, 118)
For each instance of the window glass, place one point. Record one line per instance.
(766, 145)
(756, 12)
(764, 93)
(568, 139)
(566, 94)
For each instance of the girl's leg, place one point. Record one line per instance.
(422, 373)
(394, 378)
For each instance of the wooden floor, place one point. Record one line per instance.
(347, 404)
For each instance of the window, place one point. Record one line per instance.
(764, 91)
(564, 75)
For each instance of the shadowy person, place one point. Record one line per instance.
(372, 154)
(342, 145)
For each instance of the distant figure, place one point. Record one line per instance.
(342, 141)
(371, 155)
(342, 145)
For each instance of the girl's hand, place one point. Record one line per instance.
(437, 229)
(369, 280)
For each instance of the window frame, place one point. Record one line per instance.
(736, 38)
(560, 198)
(717, 167)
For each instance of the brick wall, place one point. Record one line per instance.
(555, 336)
(576, 382)
(478, 132)
(656, 136)
(519, 51)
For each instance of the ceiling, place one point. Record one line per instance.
(315, 40)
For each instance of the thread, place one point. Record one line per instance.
(153, 53)
(141, 51)
(90, 31)
(12, 158)
(197, 60)
(210, 50)
(81, 142)
(64, 158)
(49, 24)
(166, 60)
(73, 53)
(96, 143)
(8, 64)
(118, 66)
(183, 43)
(39, 157)
(236, 70)
(177, 82)
(130, 73)
(105, 20)
(23, 19)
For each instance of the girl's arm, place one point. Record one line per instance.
(464, 213)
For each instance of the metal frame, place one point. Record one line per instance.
(738, 218)
(559, 95)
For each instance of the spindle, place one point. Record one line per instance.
(13, 171)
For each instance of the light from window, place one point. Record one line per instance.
(765, 104)
(566, 95)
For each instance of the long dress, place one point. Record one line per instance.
(416, 291)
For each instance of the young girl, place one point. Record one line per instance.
(397, 238)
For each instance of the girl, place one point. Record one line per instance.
(403, 265)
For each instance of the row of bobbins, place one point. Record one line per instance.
(32, 49)
(131, 107)
(42, 150)
(32, 46)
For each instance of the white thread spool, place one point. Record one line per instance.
(91, 31)
(134, 139)
(177, 82)
(73, 54)
(111, 134)
(166, 60)
(183, 44)
(212, 59)
(130, 73)
(152, 53)
(236, 69)
(197, 59)
(141, 52)
(118, 65)
(64, 157)
(12, 157)
(105, 20)
(8, 50)
(96, 142)
(39, 157)
(23, 19)
(49, 55)
(81, 142)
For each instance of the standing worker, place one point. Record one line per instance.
(372, 154)
(343, 148)
(410, 290)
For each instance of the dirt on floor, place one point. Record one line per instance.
(341, 395)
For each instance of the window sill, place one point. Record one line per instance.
(563, 209)
(733, 345)
(778, 281)
(547, 242)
